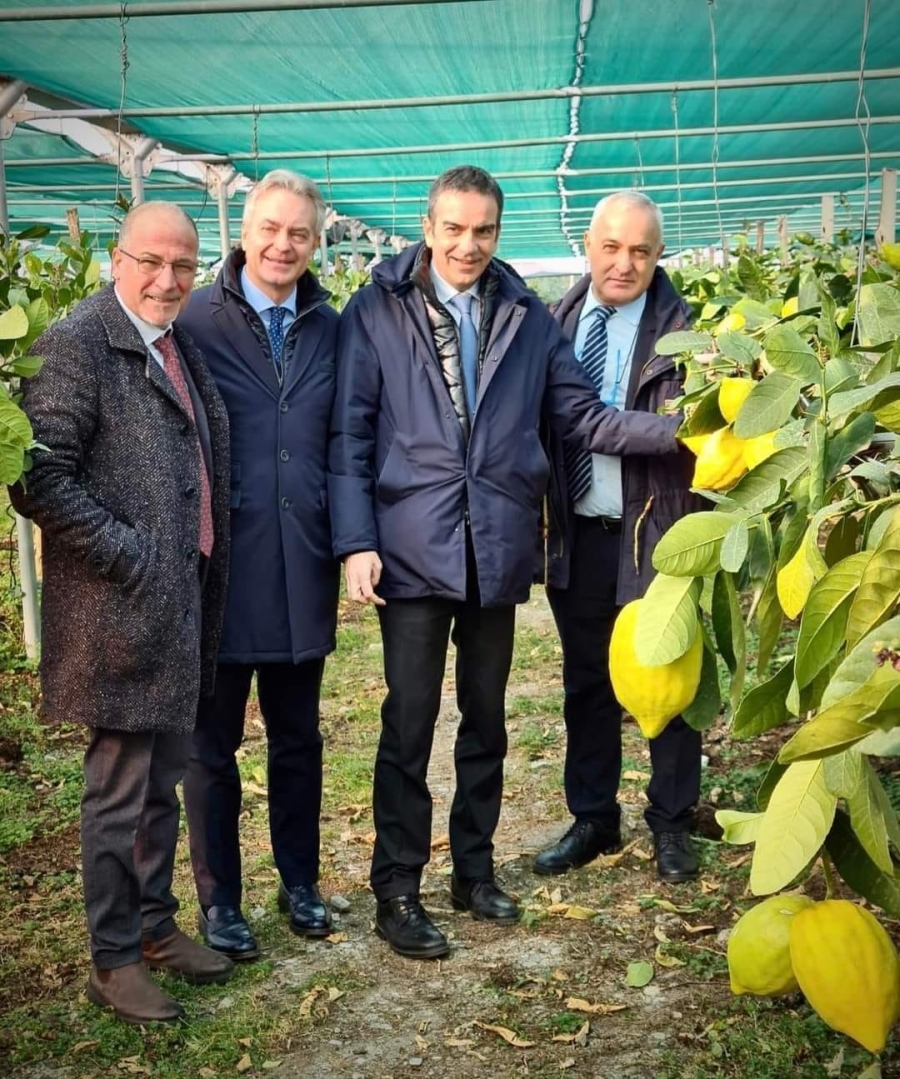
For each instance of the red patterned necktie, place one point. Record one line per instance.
(172, 367)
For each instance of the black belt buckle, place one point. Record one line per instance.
(610, 524)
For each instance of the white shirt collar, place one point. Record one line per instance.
(149, 333)
(259, 301)
(631, 312)
(445, 292)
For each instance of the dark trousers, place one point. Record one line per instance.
(289, 702)
(584, 614)
(415, 634)
(129, 829)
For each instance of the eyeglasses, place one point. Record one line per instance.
(150, 265)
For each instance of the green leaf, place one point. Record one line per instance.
(844, 772)
(38, 312)
(639, 975)
(763, 487)
(879, 586)
(751, 277)
(828, 332)
(756, 313)
(840, 375)
(764, 707)
(861, 662)
(878, 314)
(703, 710)
(27, 366)
(735, 546)
(683, 341)
(866, 805)
(739, 828)
(706, 417)
(13, 324)
(881, 743)
(12, 462)
(768, 406)
(728, 625)
(798, 818)
(847, 721)
(818, 442)
(787, 351)
(825, 616)
(690, 548)
(856, 436)
(738, 347)
(870, 397)
(15, 427)
(769, 618)
(770, 781)
(667, 620)
(858, 869)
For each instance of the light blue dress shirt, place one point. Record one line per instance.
(263, 304)
(445, 294)
(604, 496)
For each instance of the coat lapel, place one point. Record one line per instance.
(245, 346)
(305, 342)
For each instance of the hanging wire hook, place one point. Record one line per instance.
(862, 106)
(125, 64)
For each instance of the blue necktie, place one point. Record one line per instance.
(468, 348)
(276, 336)
(579, 468)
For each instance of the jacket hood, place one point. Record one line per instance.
(309, 290)
(661, 294)
(395, 274)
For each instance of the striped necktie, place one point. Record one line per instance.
(579, 468)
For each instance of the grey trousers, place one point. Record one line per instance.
(129, 830)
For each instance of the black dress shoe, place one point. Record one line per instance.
(580, 845)
(225, 930)
(309, 915)
(676, 859)
(403, 923)
(483, 900)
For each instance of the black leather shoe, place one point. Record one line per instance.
(225, 930)
(309, 915)
(580, 845)
(404, 924)
(483, 900)
(676, 859)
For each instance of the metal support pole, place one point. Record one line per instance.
(4, 206)
(224, 235)
(783, 239)
(827, 218)
(323, 253)
(760, 237)
(886, 233)
(726, 252)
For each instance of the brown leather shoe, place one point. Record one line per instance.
(187, 959)
(132, 995)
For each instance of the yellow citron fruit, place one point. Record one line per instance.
(759, 948)
(794, 583)
(891, 255)
(756, 450)
(848, 969)
(731, 322)
(790, 307)
(733, 392)
(720, 463)
(695, 443)
(653, 695)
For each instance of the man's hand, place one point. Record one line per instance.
(363, 572)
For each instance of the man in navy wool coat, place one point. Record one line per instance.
(268, 334)
(447, 367)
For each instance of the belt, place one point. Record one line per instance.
(608, 524)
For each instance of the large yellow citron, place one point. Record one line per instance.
(720, 462)
(653, 695)
(733, 392)
(756, 450)
(759, 948)
(848, 969)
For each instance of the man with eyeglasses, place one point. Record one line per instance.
(268, 334)
(129, 486)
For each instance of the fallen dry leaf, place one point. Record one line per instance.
(270, 1064)
(698, 928)
(334, 994)
(642, 777)
(576, 1004)
(79, 1047)
(557, 908)
(660, 934)
(582, 914)
(336, 938)
(708, 886)
(206, 1073)
(569, 1062)
(642, 855)
(579, 1036)
(507, 1035)
(245, 1041)
(441, 843)
(459, 1043)
(559, 975)
(556, 895)
(245, 1063)
(254, 788)
(666, 960)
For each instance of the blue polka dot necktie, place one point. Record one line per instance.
(468, 348)
(579, 467)
(276, 336)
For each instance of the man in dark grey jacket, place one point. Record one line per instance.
(130, 489)
(447, 366)
(607, 514)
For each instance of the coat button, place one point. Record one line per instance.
(284, 455)
(190, 491)
(285, 503)
(283, 407)
(185, 429)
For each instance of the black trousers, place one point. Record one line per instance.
(584, 614)
(289, 702)
(129, 830)
(415, 636)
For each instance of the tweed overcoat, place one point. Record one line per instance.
(116, 495)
